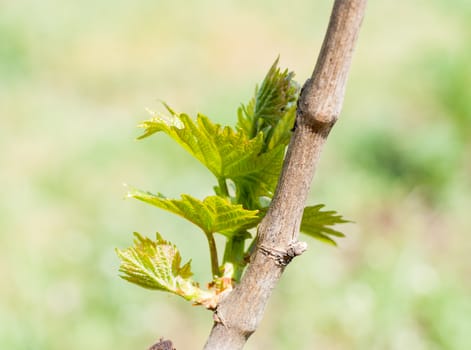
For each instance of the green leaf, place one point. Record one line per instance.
(276, 95)
(246, 116)
(213, 214)
(272, 112)
(218, 148)
(157, 265)
(251, 188)
(316, 223)
(226, 153)
(281, 133)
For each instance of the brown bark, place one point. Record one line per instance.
(239, 314)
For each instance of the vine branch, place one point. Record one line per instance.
(239, 314)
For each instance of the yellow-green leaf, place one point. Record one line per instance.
(213, 214)
(157, 265)
(225, 152)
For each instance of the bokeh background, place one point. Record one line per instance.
(75, 79)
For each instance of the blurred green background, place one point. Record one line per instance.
(75, 78)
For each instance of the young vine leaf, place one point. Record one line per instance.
(222, 150)
(156, 265)
(213, 214)
(270, 112)
(316, 223)
(270, 103)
